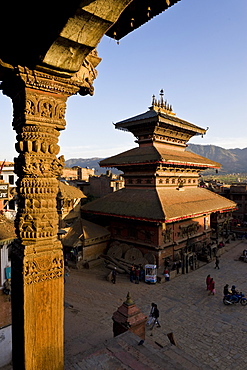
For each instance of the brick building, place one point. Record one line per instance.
(104, 184)
(77, 173)
(237, 192)
(82, 240)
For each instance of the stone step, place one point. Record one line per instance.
(185, 359)
(169, 354)
(155, 354)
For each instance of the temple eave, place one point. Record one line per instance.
(169, 220)
(125, 216)
(195, 215)
(190, 164)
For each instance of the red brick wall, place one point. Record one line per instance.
(94, 251)
(144, 233)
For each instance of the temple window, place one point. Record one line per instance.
(149, 181)
(132, 232)
(173, 181)
(160, 181)
(148, 235)
(11, 179)
(189, 181)
(167, 181)
(139, 181)
(117, 231)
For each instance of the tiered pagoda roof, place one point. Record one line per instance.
(159, 205)
(161, 177)
(162, 138)
(157, 154)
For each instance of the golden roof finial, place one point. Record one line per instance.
(153, 100)
(129, 301)
(161, 105)
(161, 98)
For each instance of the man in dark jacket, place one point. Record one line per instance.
(156, 315)
(114, 274)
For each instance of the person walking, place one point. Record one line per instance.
(212, 287)
(66, 267)
(166, 274)
(151, 316)
(156, 315)
(132, 273)
(7, 287)
(217, 261)
(208, 279)
(137, 275)
(114, 275)
(142, 273)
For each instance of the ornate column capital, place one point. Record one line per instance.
(57, 82)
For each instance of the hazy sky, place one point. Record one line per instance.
(196, 51)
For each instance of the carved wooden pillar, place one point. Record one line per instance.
(39, 102)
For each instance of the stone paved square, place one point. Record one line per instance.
(206, 329)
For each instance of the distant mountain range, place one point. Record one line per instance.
(232, 160)
(85, 162)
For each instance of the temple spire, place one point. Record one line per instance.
(129, 300)
(161, 105)
(161, 98)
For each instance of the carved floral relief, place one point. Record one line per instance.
(43, 267)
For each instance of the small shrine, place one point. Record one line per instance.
(161, 210)
(129, 317)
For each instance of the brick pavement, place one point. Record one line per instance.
(214, 334)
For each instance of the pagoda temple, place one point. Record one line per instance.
(161, 210)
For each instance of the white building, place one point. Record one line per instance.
(7, 173)
(9, 178)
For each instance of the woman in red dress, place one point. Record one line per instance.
(212, 287)
(208, 281)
